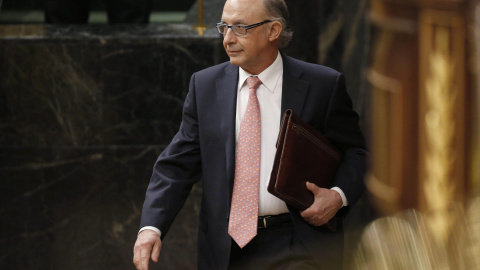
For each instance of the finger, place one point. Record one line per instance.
(307, 214)
(142, 255)
(310, 212)
(144, 259)
(313, 188)
(136, 257)
(156, 250)
(314, 222)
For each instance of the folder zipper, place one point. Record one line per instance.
(316, 141)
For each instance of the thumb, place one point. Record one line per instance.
(312, 187)
(156, 250)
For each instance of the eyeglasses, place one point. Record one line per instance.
(239, 29)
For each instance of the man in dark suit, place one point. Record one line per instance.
(231, 114)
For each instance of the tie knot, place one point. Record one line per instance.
(253, 82)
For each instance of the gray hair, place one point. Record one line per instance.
(279, 11)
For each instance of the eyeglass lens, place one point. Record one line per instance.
(237, 30)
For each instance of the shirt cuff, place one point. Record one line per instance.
(151, 228)
(344, 199)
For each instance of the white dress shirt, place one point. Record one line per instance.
(269, 95)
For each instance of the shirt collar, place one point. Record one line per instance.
(269, 76)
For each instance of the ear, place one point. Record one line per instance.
(275, 30)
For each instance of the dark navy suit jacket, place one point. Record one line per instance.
(204, 148)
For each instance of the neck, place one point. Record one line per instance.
(269, 59)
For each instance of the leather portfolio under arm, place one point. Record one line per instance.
(303, 154)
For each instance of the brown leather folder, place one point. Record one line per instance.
(303, 154)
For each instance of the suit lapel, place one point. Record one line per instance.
(294, 89)
(226, 89)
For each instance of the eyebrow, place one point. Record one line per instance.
(235, 22)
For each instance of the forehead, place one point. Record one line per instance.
(243, 11)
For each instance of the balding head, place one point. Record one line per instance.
(258, 48)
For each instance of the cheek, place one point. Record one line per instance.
(250, 45)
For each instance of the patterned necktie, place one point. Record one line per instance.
(244, 210)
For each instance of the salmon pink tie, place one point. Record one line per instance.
(244, 210)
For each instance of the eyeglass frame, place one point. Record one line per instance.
(246, 27)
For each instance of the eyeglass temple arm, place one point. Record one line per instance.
(257, 24)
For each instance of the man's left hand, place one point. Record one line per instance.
(326, 205)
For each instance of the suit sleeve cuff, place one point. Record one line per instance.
(344, 199)
(151, 228)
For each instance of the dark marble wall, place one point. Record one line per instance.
(344, 44)
(94, 5)
(84, 112)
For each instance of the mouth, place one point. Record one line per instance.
(233, 52)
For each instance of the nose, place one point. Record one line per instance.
(229, 37)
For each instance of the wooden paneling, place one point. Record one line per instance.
(420, 137)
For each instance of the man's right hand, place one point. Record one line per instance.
(148, 245)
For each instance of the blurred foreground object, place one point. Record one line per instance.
(425, 136)
(406, 242)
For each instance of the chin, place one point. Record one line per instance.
(235, 61)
